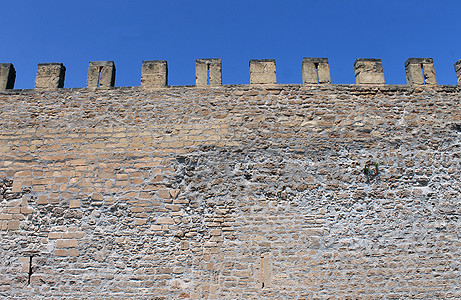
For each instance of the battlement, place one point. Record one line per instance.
(248, 191)
(101, 74)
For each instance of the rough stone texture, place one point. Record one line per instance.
(7, 76)
(420, 71)
(368, 71)
(101, 74)
(238, 192)
(208, 72)
(154, 74)
(458, 71)
(262, 71)
(50, 76)
(315, 70)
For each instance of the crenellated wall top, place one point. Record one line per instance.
(315, 71)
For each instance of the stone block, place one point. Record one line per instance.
(42, 199)
(73, 252)
(13, 225)
(50, 76)
(54, 235)
(315, 70)
(7, 76)
(101, 74)
(165, 221)
(420, 71)
(266, 270)
(368, 71)
(208, 72)
(6, 216)
(74, 203)
(154, 74)
(60, 252)
(16, 186)
(263, 71)
(458, 71)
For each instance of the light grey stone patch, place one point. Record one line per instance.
(208, 72)
(262, 71)
(7, 76)
(315, 70)
(368, 71)
(154, 74)
(101, 74)
(420, 71)
(50, 76)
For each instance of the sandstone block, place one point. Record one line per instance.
(97, 197)
(164, 194)
(184, 245)
(154, 74)
(6, 216)
(13, 225)
(50, 76)
(155, 227)
(62, 243)
(315, 70)
(54, 235)
(101, 74)
(73, 243)
(208, 72)
(60, 252)
(4, 225)
(73, 252)
(369, 71)
(73, 203)
(174, 193)
(67, 235)
(262, 71)
(7, 76)
(167, 221)
(43, 199)
(215, 232)
(79, 234)
(420, 71)
(140, 221)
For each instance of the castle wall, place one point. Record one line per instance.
(231, 192)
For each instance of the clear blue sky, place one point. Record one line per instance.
(127, 32)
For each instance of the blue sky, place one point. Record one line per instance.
(127, 32)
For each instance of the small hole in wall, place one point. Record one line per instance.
(317, 71)
(99, 76)
(422, 71)
(30, 269)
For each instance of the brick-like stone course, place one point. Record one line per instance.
(235, 192)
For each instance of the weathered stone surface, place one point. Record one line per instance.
(315, 70)
(208, 72)
(154, 74)
(233, 192)
(458, 71)
(101, 74)
(7, 76)
(50, 76)
(369, 71)
(420, 71)
(262, 71)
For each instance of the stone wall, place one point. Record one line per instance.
(231, 192)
